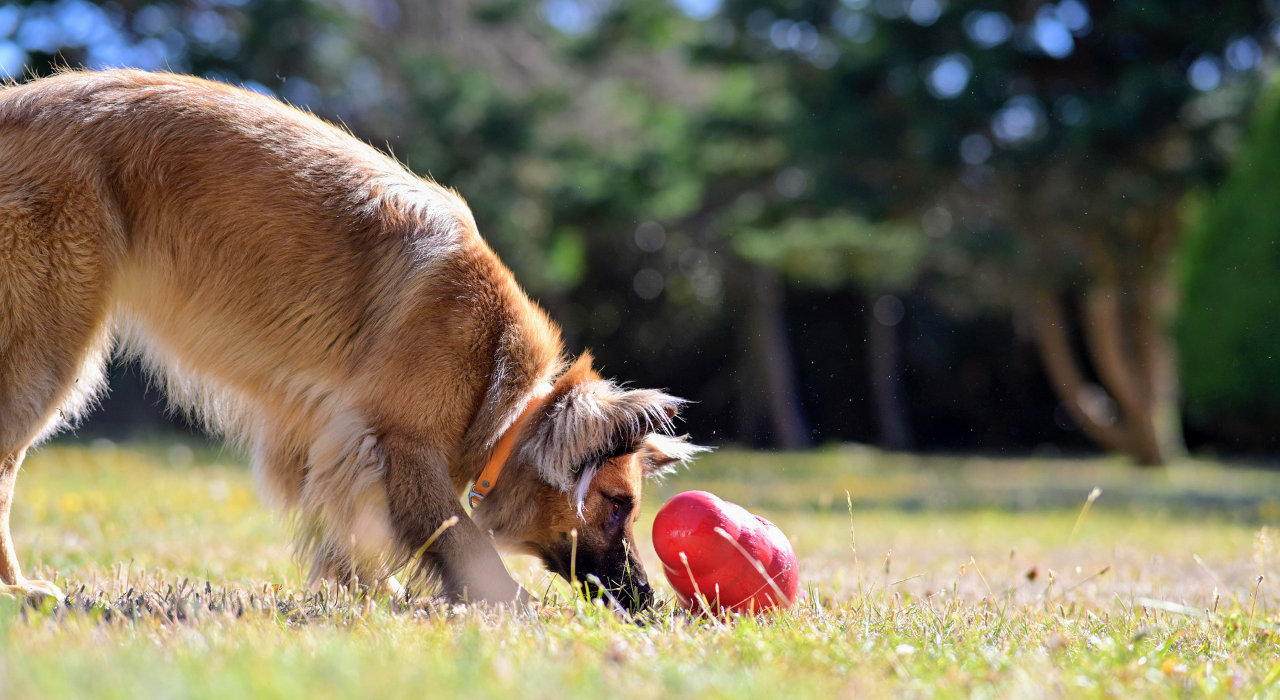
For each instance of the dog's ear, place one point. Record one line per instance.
(586, 420)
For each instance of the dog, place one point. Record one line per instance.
(306, 296)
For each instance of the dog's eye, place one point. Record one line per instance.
(619, 506)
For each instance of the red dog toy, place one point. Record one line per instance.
(719, 557)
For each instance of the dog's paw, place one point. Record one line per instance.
(36, 593)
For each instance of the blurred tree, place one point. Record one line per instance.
(1047, 143)
(261, 43)
(839, 249)
(664, 175)
(1229, 269)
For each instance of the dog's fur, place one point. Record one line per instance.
(302, 293)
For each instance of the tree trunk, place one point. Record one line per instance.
(1158, 357)
(884, 349)
(1082, 399)
(1109, 339)
(770, 363)
(1133, 360)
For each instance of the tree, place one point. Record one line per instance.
(666, 176)
(1055, 139)
(833, 251)
(1229, 272)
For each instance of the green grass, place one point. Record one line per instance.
(947, 577)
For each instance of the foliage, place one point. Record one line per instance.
(638, 163)
(1056, 124)
(1228, 329)
(1001, 587)
(835, 249)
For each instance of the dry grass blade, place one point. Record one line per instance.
(1084, 510)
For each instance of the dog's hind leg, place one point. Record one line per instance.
(54, 340)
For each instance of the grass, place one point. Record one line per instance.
(921, 577)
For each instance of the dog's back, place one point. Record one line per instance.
(243, 210)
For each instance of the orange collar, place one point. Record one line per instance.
(502, 451)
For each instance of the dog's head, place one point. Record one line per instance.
(571, 492)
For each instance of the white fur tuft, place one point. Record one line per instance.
(580, 493)
(664, 452)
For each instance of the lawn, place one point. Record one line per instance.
(921, 577)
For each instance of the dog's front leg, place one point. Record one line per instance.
(422, 501)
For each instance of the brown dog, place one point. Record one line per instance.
(304, 294)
